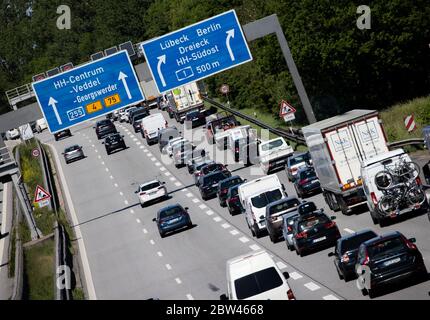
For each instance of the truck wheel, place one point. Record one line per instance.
(328, 197)
(375, 219)
(342, 205)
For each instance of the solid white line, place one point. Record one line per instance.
(178, 281)
(195, 200)
(254, 247)
(225, 225)
(138, 220)
(330, 297)
(295, 275)
(311, 286)
(209, 212)
(217, 219)
(152, 242)
(82, 250)
(234, 232)
(189, 195)
(202, 206)
(190, 297)
(349, 230)
(168, 266)
(178, 184)
(144, 230)
(281, 265)
(243, 239)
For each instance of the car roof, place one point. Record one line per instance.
(149, 182)
(281, 201)
(249, 263)
(305, 168)
(72, 146)
(212, 174)
(390, 235)
(170, 207)
(355, 234)
(229, 178)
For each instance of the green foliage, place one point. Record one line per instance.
(30, 167)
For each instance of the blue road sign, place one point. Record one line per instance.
(88, 91)
(197, 51)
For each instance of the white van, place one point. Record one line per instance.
(369, 169)
(150, 126)
(255, 195)
(255, 276)
(41, 125)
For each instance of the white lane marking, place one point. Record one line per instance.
(190, 297)
(138, 220)
(157, 164)
(178, 184)
(111, 177)
(168, 266)
(184, 190)
(311, 286)
(141, 147)
(96, 150)
(225, 225)
(90, 141)
(178, 281)
(131, 210)
(172, 179)
(159, 254)
(330, 297)
(93, 146)
(125, 202)
(349, 230)
(145, 150)
(135, 139)
(116, 185)
(209, 212)
(99, 156)
(243, 239)
(167, 173)
(162, 169)
(121, 194)
(103, 163)
(281, 265)
(189, 195)
(138, 143)
(217, 219)
(144, 230)
(254, 247)
(149, 154)
(295, 275)
(153, 159)
(132, 136)
(234, 232)
(152, 242)
(107, 170)
(195, 200)
(202, 206)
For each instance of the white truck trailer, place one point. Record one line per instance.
(185, 99)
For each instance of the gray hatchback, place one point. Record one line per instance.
(73, 153)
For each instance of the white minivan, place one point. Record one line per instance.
(255, 195)
(255, 276)
(150, 126)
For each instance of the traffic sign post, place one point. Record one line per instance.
(287, 112)
(35, 152)
(197, 51)
(225, 89)
(41, 194)
(88, 91)
(410, 123)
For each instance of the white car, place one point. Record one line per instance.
(172, 143)
(255, 276)
(12, 134)
(150, 191)
(41, 125)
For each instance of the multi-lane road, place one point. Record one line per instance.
(125, 258)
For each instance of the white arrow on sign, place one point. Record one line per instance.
(230, 34)
(53, 103)
(122, 76)
(161, 59)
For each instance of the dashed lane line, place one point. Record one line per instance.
(138, 220)
(243, 239)
(209, 212)
(168, 266)
(349, 230)
(159, 254)
(178, 281)
(281, 265)
(295, 275)
(152, 242)
(330, 297)
(254, 247)
(144, 230)
(234, 232)
(189, 297)
(217, 219)
(312, 286)
(202, 206)
(225, 225)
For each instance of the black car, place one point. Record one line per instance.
(195, 118)
(104, 127)
(208, 184)
(233, 202)
(172, 218)
(346, 251)
(306, 207)
(114, 142)
(390, 258)
(208, 168)
(137, 118)
(306, 182)
(62, 134)
(314, 231)
(223, 187)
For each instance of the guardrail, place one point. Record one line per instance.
(406, 142)
(61, 261)
(47, 176)
(282, 133)
(20, 93)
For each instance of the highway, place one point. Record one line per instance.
(127, 259)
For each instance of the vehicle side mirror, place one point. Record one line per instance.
(186, 208)
(286, 275)
(262, 217)
(62, 152)
(163, 182)
(330, 254)
(245, 180)
(137, 191)
(413, 240)
(333, 218)
(154, 219)
(103, 142)
(223, 297)
(122, 136)
(283, 187)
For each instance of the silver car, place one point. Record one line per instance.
(73, 153)
(287, 228)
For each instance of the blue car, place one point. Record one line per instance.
(172, 218)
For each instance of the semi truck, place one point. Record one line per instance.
(337, 146)
(185, 99)
(147, 83)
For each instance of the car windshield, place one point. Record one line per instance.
(353, 243)
(297, 159)
(308, 174)
(231, 182)
(272, 145)
(257, 283)
(284, 205)
(193, 114)
(103, 123)
(72, 148)
(291, 220)
(214, 178)
(212, 168)
(234, 191)
(114, 137)
(170, 212)
(385, 247)
(313, 221)
(265, 198)
(139, 116)
(150, 186)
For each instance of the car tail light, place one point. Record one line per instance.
(410, 244)
(290, 295)
(289, 229)
(145, 131)
(165, 124)
(233, 199)
(142, 193)
(302, 235)
(330, 224)
(345, 258)
(418, 181)
(292, 170)
(303, 181)
(374, 199)
(236, 149)
(366, 259)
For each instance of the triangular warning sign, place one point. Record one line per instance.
(285, 108)
(41, 194)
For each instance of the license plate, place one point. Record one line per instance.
(151, 193)
(392, 261)
(320, 239)
(173, 220)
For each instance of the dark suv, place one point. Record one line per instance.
(136, 118)
(389, 259)
(206, 169)
(208, 184)
(62, 134)
(104, 127)
(306, 182)
(114, 142)
(223, 187)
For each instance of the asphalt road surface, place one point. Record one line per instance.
(127, 258)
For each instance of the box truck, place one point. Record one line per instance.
(337, 146)
(185, 99)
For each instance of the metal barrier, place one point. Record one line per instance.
(61, 260)
(406, 142)
(48, 176)
(19, 94)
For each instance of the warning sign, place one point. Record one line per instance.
(286, 111)
(41, 194)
